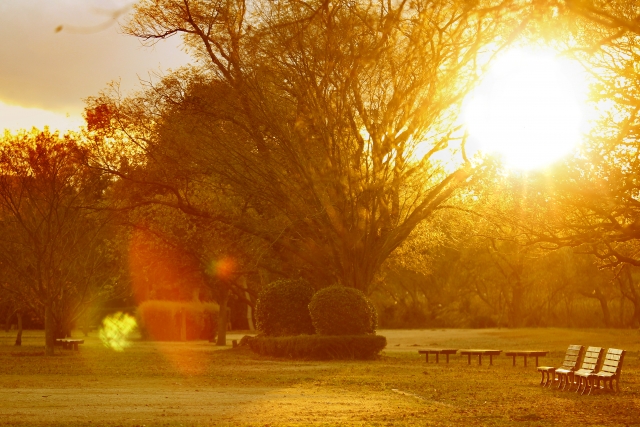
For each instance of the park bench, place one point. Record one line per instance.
(591, 360)
(525, 354)
(69, 343)
(437, 352)
(480, 353)
(571, 359)
(611, 368)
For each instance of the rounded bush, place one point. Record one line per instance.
(282, 308)
(338, 310)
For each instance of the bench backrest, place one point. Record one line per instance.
(592, 358)
(572, 356)
(613, 361)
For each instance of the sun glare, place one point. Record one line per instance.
(530, 109)
(116, 329)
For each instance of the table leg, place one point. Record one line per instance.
(447, 358)
(480, 359)
(525, 360)
(536, 361)
(437, 358)
(491, 359)
(514, 360)
(427, 356)
(469, 357)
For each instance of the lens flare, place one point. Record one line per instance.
(115, 331)
(223, 268)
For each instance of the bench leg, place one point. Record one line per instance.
(525, 360)
(479, 359)
(536, 361)
(469, 359)
(569, 381)
(491, 360)
(542, 379)
(591, 383)
(551, 378)
(514, 361)
(75, 346)
(437, 358)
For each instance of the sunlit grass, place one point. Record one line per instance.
(142, 385)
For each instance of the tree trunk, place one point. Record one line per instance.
(635, 320)
(514, 311)
(183, 325)
(49, 330)
(606, 314)
(222, 317)
(19, 336)
(243, 282)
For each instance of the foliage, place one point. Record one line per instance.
(338, 310)
(282, 308)
(319, 347)
(162, 320)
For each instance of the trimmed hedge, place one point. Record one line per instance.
(162, 320)
(318, 347)
(282, 308)
(339, 310)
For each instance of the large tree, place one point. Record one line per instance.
(316, 126)
(52, 240)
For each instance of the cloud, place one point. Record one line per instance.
(55, 71)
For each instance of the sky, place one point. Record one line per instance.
(45, 74)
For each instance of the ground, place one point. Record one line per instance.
(199, 384)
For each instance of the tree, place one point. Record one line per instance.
(172, 248)
(314, 126)
(55, 246)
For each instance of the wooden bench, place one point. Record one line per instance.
(571, 359)
(525, 354)
(611, 368)
(438, 352)
(591, 360)
(69, 343)
(480, 353)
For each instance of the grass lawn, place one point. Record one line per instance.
(198, 384)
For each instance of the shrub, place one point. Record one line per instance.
(319, 347)
(282, 308)
(338, 310)
(162, 320)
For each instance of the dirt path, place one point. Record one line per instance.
(154, 402)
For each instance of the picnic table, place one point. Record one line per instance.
(525, 354)
(69, 343)
(480, 352)
(438, 352)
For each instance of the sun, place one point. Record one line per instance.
(530, 109)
